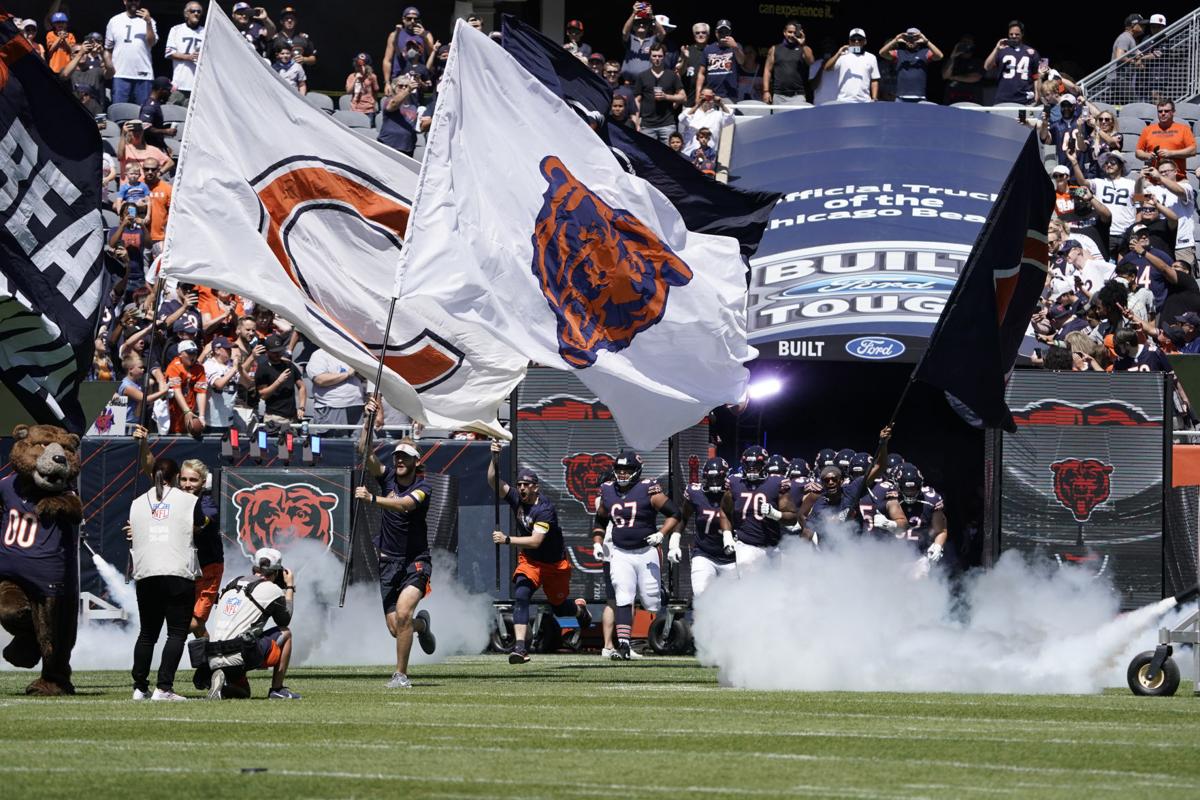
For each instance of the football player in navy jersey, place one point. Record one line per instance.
(405, 564)
(800, 479)
(874, 502)
(712, 550)
(633, 505)
(753, 509)
(777, 465)
(541, 557)
(916, 511)
(859, 465)
(842, 460)
(825, 457)
(838, 499)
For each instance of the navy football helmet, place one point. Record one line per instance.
(777, 465)
(798, 470)
(714, 476)
(754, 463)
(909, 482)
(627, 468)
(843, 458)
(860, 465)
(892, 468)
(825, 457)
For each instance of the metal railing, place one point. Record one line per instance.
(1165, 66)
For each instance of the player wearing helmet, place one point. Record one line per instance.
(874, 502)
(753, 509)
(777, 465)
(919, 518)
(632, 504)
(712, 550)
(838, 500)
(825, 457)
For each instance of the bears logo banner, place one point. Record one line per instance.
(308, 218)
(525, 229)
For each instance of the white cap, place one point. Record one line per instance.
(406, 449)
(186, 346)
(665, 21)
(1068, 98)
(1060, 170)
(1158, 19)
(268, 558)
(857, 32)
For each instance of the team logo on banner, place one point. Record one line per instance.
(582, 474)
(1081, 484)
(563, 408)
(605, 274)
(1104, 412)
(270, 515)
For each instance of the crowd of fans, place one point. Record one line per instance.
(1121, 286)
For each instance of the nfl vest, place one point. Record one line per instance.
(162, 534)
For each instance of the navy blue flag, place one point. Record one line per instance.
(52, 272)
(706, 205)
(974, 345)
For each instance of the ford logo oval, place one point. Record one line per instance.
(875, 348)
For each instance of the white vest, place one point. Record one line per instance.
(162, 534)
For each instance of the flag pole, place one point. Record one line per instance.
(496, 512)
(145, 409)
(368, 434)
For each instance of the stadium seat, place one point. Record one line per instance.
(109, 218)
(123, 112)
(344, 101)
(321, 101)
(1105, 107)
(353, 119)
(1196, 128)
(1144, 111)
(1130, 126)
(1187, 111)
(173, 113)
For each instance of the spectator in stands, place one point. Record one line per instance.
(710, 112)
(130, 236)
(337, 392)
(692, 61)
(179, 315)
(29, 29)
(612, 76)
(1189, 323)
(1066, 133)
(1116, 192)
(1017, 64)
(290, 36)
(1153, 265)
(1155, 24)
(1182, 293)
(724, 61)
(132, 146)
(363, 85)
(60, 42)
(188, 390)
(675, 142)
(1179, 198)
(704, 155)
(88, 67)
(639, 33)
(913, 53)
(1090, 273)
(158, 203)
(183, 49)
(221, 371)
(1050, 88)
(785, 74)
(410, 30)
(1129, 37)
(1086, 216)
(857, 70)
(279, 383)
(618, 113)
(1166, 139)
(1156, 219)
(1104, 139)
(128, 40)
(1141, 300)
(595, 63)
(133, 194)
(1133, 356)
(289, 70)
(398, 129)
(475, 21)
(219, 312)
(154, 126)
(963, 73)
(575, 41)
(656, 91)
(83, 93)
(131, 385)
(256, 26)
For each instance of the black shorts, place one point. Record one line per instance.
(396, 574)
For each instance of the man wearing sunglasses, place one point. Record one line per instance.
(1166, 139)
(857, 70)
(838, 501)
(183, 48)
(410, 30)
(541, 557)
(692, 61)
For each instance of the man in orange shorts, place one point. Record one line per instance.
(541, 559)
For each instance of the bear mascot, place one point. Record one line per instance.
(39, 555)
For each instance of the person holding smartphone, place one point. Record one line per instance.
(857, 70)
(1016, 64)
(913, 53)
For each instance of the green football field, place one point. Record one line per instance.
(576, 726)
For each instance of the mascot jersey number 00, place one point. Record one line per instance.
(39, 555)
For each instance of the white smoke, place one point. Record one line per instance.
(853, 618)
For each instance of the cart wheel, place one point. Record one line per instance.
(1164, 684)
(503, 641)
(573, 641)
(672, 642)
(549, 636)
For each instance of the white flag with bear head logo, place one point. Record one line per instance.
(276, 201)
(526, 227)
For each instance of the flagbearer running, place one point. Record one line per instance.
(541, 558)
(633, 506)
(405, 565)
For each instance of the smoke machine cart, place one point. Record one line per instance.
(1154, 673)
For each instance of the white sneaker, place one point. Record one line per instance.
(218, 683)
(399, 681)
(634, 655)
(138, 694)
(609, 653)
(159, 694)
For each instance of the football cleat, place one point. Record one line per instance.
(623, 651)
(282, 693)
(518, 657)
(426, 638)
(609, 653)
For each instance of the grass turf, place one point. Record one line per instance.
(574, 726)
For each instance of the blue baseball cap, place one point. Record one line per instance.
(526, 475)
(57, 17)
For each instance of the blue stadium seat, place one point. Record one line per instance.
(123, 112)
(1130, 126)
(109, 218)
(321, 101)
(1105, 107)
(172, 113)
(1187, 112)
(1144, 111)
(344, 101)
(353, 119)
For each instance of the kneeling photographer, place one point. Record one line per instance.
(241, 642)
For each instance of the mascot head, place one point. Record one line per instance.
(46, 458)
